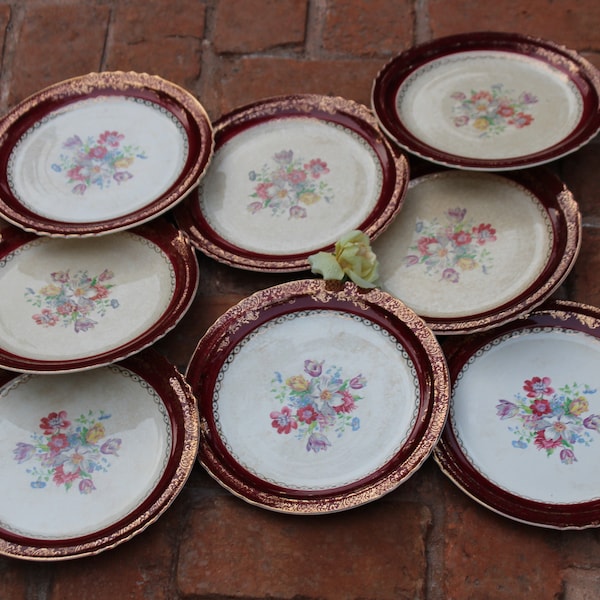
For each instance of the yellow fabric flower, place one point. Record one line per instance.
(353, 258)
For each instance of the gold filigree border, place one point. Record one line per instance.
(123, 82)
(253, 310)
(304, 104)
(570, 215)
(179, 396)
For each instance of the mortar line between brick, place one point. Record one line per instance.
(4, 94)
(422, 26)
(109, 22)
(8, 52)
(315, 15)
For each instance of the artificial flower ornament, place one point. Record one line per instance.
(353, 258)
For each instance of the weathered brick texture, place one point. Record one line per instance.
(425, 540)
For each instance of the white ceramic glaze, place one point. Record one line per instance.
(97, 159)
(489, 104)
(464, 243)
(262, 194)
(65, 299)
(358, 381)
(518, 424)
(80, 451)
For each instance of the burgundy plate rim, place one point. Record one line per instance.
(306, 295)
(348, 113)
(579, 70)
(180, 403)
(449, 457)
(180, 103)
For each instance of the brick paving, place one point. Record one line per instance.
(425, 540)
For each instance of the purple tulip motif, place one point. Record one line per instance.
(451, 246)
(68, 452)
(96, 162)
(316, 402)
(289, 185)
(551, 420)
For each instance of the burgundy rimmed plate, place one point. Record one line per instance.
(289, 177)
(101, 153)
(473, 250)
(91, 459)
(316, 398)
(523, 435)
(488, 100)
(78, 303)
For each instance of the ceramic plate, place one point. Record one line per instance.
(317, 398)
(472, 250)
(100, 153)
(523, 436)
(489, 101)
(289, 177)
(77, 303)
(91, 459)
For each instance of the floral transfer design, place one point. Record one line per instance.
(72, 300)
(97, 161)
(68, 453)
(450, 248)
(289, 186)
(552, 420)
(317, 404)
(491, 112)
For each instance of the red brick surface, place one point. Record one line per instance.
(487, 556)
(235, 550)
(574, 25)
(50, 44)
(161, 38)
(427, 539)
(259, 25)
(238, 81)
(378, 28)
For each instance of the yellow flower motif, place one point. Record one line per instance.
(50, 290)
(481, 124)
(95, 433)
(466, 264)
(579, 406)
(297, 382)
(353, 258)
(309, 198)
(123, 163)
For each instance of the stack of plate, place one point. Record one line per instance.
(486, 236)
(98, 432)
(298, 383)
(314, 396)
